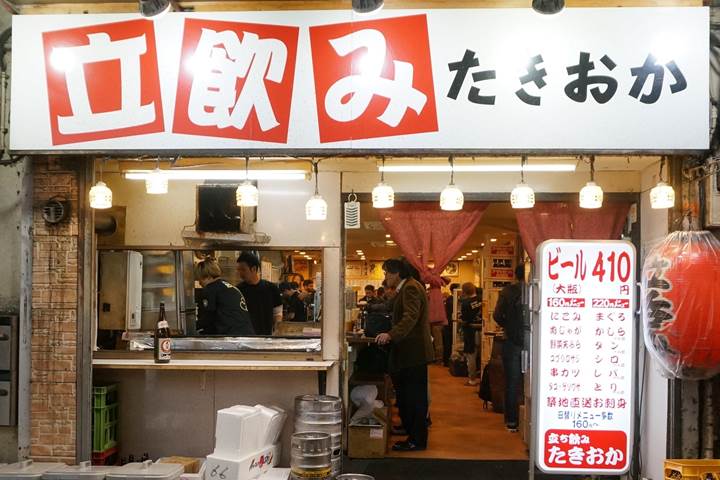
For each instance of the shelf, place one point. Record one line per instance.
(206, 364)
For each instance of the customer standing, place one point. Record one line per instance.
(411, 350)
(508, 314)
(224, 308)
(263, 297)
(448, 329)
(471, 319)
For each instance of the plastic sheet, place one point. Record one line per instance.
(681, 304)
(144, 341)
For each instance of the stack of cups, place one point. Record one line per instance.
(310, 456)
(322, 413)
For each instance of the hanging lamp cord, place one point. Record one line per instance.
(315, 169)
(523, 161)
(451, 159)
(662, 165)
(592, 168)
(247, 167)
(382, 171)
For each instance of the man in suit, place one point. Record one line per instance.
(411, 350)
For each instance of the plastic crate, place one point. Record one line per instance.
(677, 469)
(107, 457)
(105, 415)
(104, 436)
(105, 395)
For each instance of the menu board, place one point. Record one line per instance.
(585, 357)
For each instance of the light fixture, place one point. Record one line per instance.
(302, 253)
(387, 235)
(383, 195)
(366, 6)
(481, 168)
(493, 240)
(156, 182)
(316, 207)
(100, 194)
(451, 198)
(662, 195)
(154, 8)
(474, 251)
(221, 174)
(522, 195)
(548, 7)
(247, 194)
(591, 195)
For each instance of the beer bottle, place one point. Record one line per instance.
(162, 337)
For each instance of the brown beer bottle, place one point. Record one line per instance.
(162, 337)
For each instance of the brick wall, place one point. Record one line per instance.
(54, 315)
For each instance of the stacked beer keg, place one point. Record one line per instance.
(322, 414)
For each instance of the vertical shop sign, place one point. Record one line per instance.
(585, 357)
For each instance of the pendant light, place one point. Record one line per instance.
(247, 194)
(100, 194)
(156, 182)
(451, 198)
(383, 195)
(663, 195)
(522, 195)
(316, 207)
(591, 195)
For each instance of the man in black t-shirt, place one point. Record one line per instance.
(296, 311)
(262, 297)
(224, 306)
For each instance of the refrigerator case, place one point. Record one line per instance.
(168, 277)
(120, 290)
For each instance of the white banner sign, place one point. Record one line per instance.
(510, 79)
(585, 344)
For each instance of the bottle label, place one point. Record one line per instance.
(163, 324)
(164, 350)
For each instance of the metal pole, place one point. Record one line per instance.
(25, 320)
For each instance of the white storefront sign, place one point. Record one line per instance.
(583, 384)
(485, 79)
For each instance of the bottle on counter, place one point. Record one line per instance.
(162, 337)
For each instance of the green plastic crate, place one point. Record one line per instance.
(104, 436)
(105, 395)
(105, 415)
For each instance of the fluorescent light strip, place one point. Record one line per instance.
(538, 167)
(220, 174)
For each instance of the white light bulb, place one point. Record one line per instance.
(100, 196)
(383, 196)
(316, 208)
(451, 198)
(662, 196)
(591, 196)
(522, 196)
(247, 195)
(156, 183)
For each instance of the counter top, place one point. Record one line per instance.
(211, 364)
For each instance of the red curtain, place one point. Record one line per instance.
(426, 234)
(560, 220)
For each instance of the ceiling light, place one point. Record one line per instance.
(459, 259)
(316, 207)
(482, 168)
(389, 242)
(522, 195)
(220, 174)
(662, 195)
(383, 195)
(302, 253)
(548, 7)
(493, 239)
(362, 258)
(474, 251)
(247, 194)
(591, 195)
(366, 6)
(156, 182)
(387, 235)
(482, 245)
(451, 198)
(100, 194)
(154, 8)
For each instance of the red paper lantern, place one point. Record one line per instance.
(681, 304)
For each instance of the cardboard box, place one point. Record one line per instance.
(369, 441)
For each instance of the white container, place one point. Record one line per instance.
(84, 471)
(273, 420)
(235, 428)
(147, 471)
(27, 469)
(249, 467)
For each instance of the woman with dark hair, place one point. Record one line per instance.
(410, 352)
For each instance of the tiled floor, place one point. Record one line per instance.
(461, 428)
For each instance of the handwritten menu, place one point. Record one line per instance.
(584, 387)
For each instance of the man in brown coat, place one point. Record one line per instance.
(411, 350)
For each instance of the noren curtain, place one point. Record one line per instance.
(426, 234)
(561, 220)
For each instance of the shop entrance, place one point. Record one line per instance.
(463, 426)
